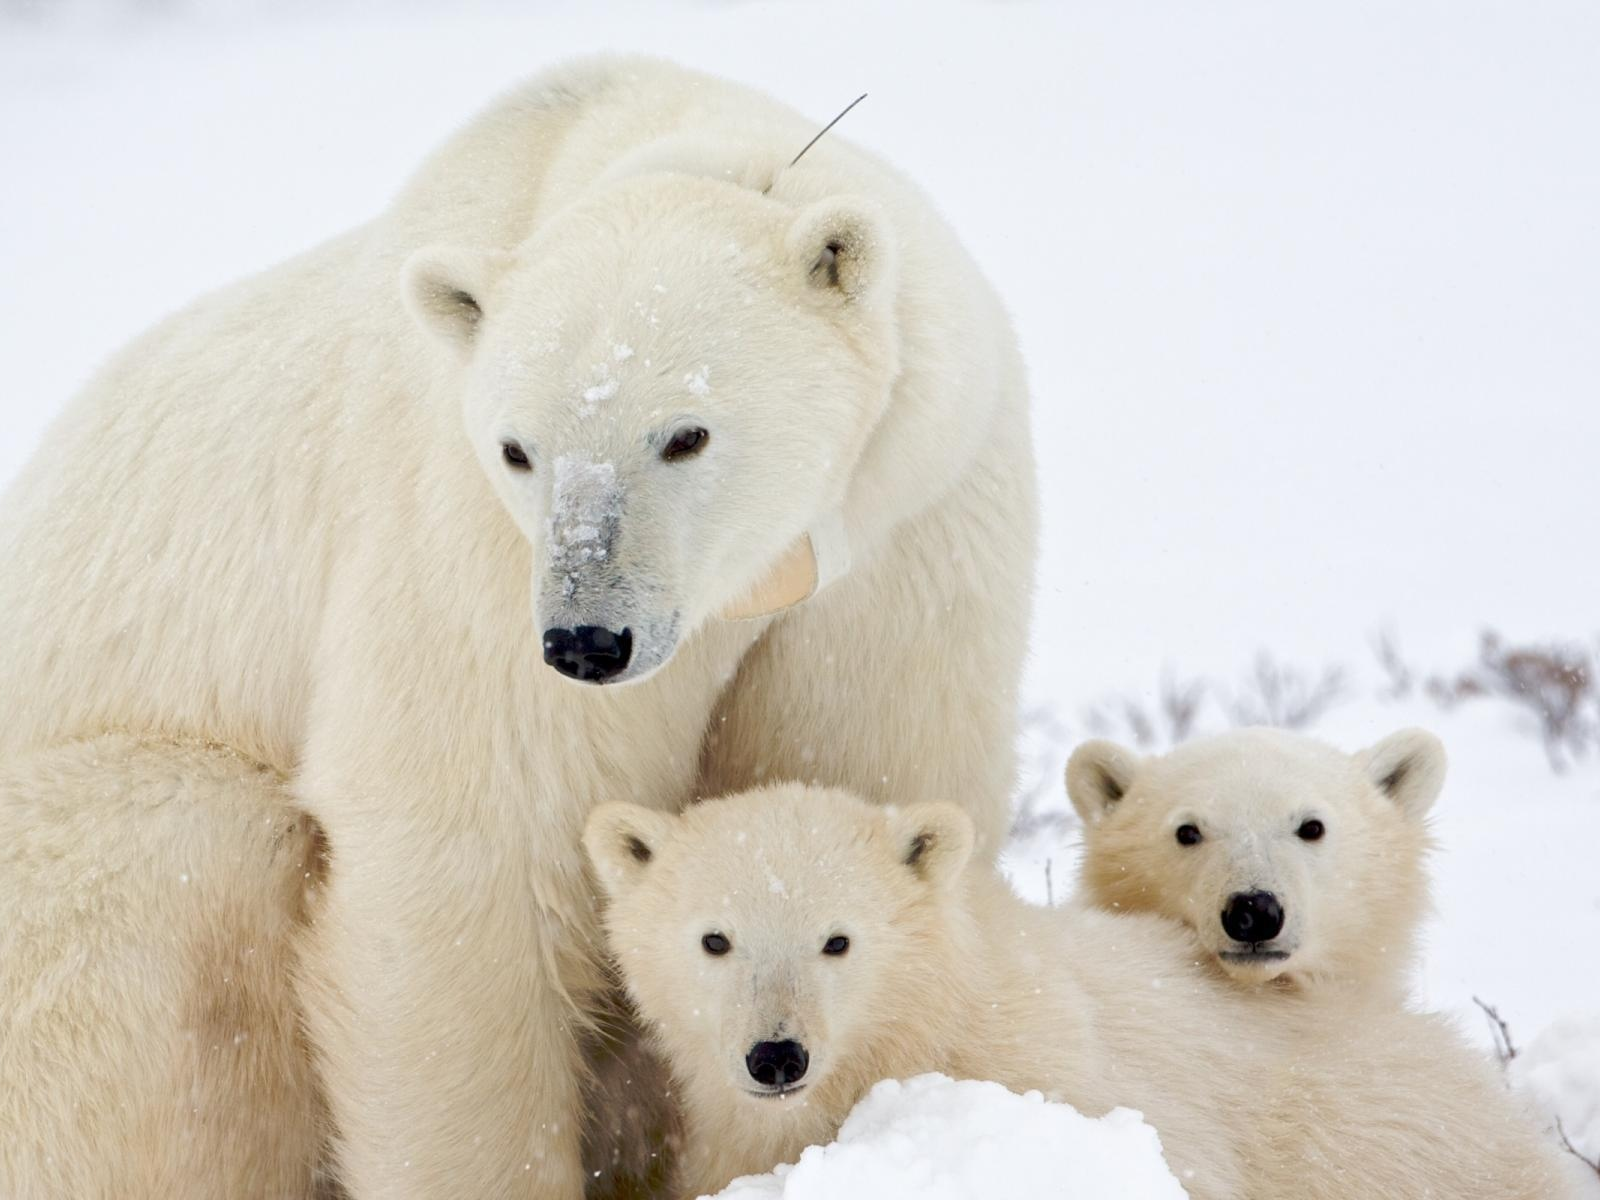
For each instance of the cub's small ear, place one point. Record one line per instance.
(444, 288)
(934, 840)
(621, 841)
(1099, 774)
(843, 245)
(1408, 767)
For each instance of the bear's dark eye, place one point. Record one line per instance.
(686, 443)
(1188, 835)
(1311, 831)
(716, 944)
(516, 457)
(837, 944)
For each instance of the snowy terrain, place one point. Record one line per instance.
(1310, 297)
(934, 1138)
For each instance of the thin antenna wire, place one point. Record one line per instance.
(825, 129)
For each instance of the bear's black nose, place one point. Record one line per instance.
(1252, 917)
(777, 1064)
(588, 653)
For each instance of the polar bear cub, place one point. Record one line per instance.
(788, 948)
(1292, 861)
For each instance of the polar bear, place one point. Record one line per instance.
(211, 866)
(789, 947)
(382, 518)
(1294, 863)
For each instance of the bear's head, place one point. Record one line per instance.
(669, 386)
(773, 940)
(1288, 858)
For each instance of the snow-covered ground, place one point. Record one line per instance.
(934, 1138)
(1310, 297)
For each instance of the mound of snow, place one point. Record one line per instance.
(1560, 1071)
(936, 1138)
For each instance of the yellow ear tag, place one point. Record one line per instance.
(813, 561)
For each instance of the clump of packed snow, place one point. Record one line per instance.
(936, 1138)
(602, 391)
(697, 382)
(1560, 1071)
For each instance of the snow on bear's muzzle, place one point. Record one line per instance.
(603, 618)
(608, 598)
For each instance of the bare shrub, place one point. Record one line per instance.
(1043, 745)
(1275, 693)
(1181, 701)
(1166, 721)
(1504, 1049)
(1554, 681)
(1400, 679)
(1045, 740)
(1122, 719)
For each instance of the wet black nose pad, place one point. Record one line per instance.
(777, 1064)
(1252, 917)
(588, 653)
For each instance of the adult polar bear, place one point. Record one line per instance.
(262, 526)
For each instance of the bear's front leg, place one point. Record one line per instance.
(442, 1008)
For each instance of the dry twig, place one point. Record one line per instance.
(1592, 1163)
(1039, 804)
(1283, 696)
(1401, 679)
(1556, 682)
(1504, 1049)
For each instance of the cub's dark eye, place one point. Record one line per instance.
(1188, 835)
(516, 457)
(1311, 831)
(686, 443)
(716, 944)
(837, 944)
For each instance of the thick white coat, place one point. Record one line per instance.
(146, 1020)
(1255, 1096)
(280, 522)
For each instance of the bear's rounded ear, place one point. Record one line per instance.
(444, 289)
(621, 841)
(934, 840)
(1099, 774)
(843, 246)
(1408, 767)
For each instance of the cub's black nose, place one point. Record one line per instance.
(777, 1064)
(1252, 917)
(588, 653)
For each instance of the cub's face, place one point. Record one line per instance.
(762, 936)
(1286, 857)
(667, 386)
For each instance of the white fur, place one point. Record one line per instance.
(1255, 1097)
(1351, 900)
(280, 522)
(153, 893)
